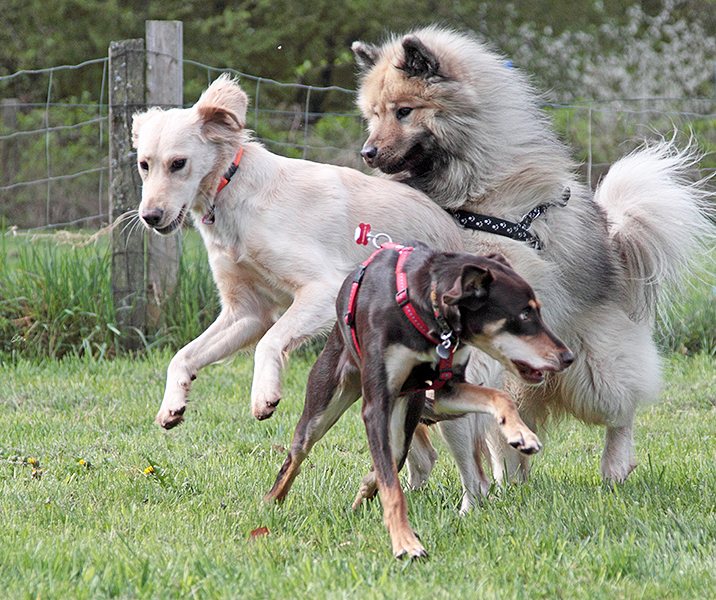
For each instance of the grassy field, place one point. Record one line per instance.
(97, 502)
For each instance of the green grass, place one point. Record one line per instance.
(98, 523)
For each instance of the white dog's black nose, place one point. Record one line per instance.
(152, 217)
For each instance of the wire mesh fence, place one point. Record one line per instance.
(54, 154)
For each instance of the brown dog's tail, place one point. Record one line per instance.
(659, 216)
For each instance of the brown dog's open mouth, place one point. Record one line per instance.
(175, 224)
(527, 373)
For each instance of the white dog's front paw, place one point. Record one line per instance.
(264, 405)
(171, 412)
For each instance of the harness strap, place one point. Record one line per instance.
(350, 315)
(209, 218)
(401, 297)
(516, 231)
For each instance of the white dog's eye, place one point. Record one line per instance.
(144, 165)
(178, 164)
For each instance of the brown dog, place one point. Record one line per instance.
(389, 346)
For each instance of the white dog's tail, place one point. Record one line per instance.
(658, 216)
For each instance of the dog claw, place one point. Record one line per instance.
(414, 555)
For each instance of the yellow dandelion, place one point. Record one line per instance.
(32, 461)
(149, 470)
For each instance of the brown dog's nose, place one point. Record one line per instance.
(369, 153)
(152, 217)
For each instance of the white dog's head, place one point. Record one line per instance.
(182, 153)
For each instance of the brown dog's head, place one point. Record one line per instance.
(182, 153)
(498, 313)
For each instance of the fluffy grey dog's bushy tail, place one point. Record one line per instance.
(659, 217)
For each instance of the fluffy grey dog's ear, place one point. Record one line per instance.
(419, 60)
(366, 55)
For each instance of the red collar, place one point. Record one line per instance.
(401, 297)
(208, 218)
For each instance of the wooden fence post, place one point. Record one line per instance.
(164, 87)
(145, 266)
(126, 96)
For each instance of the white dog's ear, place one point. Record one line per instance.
(138, 120)
(223, 103)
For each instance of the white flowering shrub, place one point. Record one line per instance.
(621, 82)
(646, 57)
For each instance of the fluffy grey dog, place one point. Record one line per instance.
(446, 116)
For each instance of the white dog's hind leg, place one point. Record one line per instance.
(463, 437)
(421, 458)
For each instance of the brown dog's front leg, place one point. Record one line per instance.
(376, 416)
(466, 397)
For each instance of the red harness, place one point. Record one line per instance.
(401, 297)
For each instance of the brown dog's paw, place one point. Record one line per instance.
(407, 545)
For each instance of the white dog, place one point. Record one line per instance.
(279, 233)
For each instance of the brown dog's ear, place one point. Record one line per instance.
(419, 61)
(366, 55)
(470, 287)
(469, 291)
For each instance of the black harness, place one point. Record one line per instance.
(517, 231)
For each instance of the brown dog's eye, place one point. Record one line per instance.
(178, 165)
(403, 112)
(525, 315)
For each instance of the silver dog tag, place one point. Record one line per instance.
(444, 349)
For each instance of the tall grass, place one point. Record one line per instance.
(56, 299)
